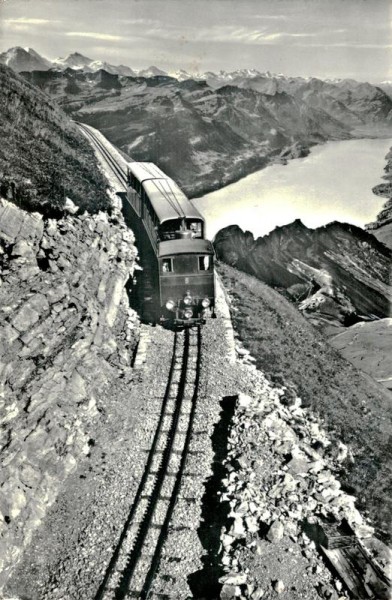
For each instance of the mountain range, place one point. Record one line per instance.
(337, 275)
(27, 59)
(207, 132)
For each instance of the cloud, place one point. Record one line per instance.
(140, 22)
(269, 17)
(24, 24)
(25, 21)
(344, 45)
(284, 35)
(224, 34)
(95, 36)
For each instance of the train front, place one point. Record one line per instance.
(186, 280)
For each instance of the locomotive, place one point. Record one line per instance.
(177, 285)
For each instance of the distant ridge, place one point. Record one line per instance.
(27, 59)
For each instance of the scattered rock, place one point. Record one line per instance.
(275, 532)
(244, 401)
(279, 586)
(233, 578)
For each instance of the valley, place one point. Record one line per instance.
(209, 130)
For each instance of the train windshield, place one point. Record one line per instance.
(186, 263)
(167, 230)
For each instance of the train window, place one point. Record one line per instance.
(167, 230)
(167, 265)
(205, 263)
(196, 228)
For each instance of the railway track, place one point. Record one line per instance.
(131, 571)
(135, 560)
(111, 162)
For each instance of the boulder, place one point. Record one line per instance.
(275, 532)
(233, 578)
(70, 206)
(279, 586)
(244, 401)
(228, 592)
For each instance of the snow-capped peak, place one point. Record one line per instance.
(151, 72)
(74, 61)
(24, 59)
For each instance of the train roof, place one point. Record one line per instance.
(146, 170)
(185, 246)
(167, 199)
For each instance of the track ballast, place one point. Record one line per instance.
(131, 571)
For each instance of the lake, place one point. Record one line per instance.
(333, 183)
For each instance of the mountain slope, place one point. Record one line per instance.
(43, 157)
(204, 138)
(382, 227)
(338, 274)
(212, 130)
(67, 333)
(355, 409)
(24, 59)
(368, 346)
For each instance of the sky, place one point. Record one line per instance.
(320, 38)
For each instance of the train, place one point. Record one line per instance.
(177, 284)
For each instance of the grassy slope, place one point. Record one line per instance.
(42, 153)
(291, 352)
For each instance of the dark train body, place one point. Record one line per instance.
(177, 284)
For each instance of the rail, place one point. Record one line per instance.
(135, 560)
(131, 570)
(113, 165)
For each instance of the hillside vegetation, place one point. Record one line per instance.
(291, 352)
(43, 157)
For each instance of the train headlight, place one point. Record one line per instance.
(205, 302)
(187, 300)
(170, 305)
(188, 313)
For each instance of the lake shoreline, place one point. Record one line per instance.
(271, 160)
(354, 204)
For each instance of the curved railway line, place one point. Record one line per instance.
(113, 165)
(131, 571)
(136, 557)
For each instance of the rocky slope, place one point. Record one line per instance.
(66, 330)
(257, 467)
(382, 227)
(44, 159)
(279, 506)
(337, 274)
(207, 137)
(356, 411)
(66, 340)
